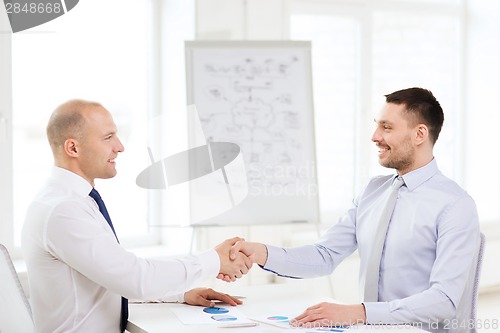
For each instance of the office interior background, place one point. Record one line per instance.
(129, 56)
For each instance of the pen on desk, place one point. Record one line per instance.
(237, 297)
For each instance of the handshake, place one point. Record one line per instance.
(237, 257)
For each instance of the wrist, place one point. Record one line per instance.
(362, 315)
(264, 259)
(261, 258)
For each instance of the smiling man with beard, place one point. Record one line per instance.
(416, 266)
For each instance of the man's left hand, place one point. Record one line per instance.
(207, 296)
(331, 315)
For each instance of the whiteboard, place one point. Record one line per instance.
(257, 94)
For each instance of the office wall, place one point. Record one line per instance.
(479, 82)
(241, 19)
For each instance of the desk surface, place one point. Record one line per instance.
(259, 301)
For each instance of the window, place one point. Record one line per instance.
(82, 55)
(366, 49)
(112, 52)
(335, 50)
(132, 62)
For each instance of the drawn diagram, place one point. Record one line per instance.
(260, 99)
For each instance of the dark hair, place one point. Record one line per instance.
(421, 107)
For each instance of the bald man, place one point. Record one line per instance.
(80, 277)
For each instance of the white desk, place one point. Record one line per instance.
(259, 301)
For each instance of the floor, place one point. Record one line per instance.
(488, 313)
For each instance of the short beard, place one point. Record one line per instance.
(403, 160)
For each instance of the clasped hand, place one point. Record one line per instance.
(234, 267)
(237, 257)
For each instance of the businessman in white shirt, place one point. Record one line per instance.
(80, 276)
(428, 247)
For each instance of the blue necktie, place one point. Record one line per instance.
(102, 208)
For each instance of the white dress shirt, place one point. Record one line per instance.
(428, 253)
(78, 272)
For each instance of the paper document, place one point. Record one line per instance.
(197, 315)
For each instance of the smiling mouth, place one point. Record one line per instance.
(383, 150)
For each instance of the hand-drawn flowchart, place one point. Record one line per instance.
(259, 96)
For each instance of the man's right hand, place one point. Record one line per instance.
(255, 252)
(235, 267)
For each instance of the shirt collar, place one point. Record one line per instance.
(419, 176)
(72, 181)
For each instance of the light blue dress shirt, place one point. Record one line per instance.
(428, 254)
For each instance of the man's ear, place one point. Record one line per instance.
(71, 147)
(421, 134)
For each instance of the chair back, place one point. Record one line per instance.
(466, 319)
(15, 311)
(477, 277)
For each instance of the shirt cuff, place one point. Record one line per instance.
(177, 298)
(275, 259)
(210, 265)
(180, 298)
(377, 312)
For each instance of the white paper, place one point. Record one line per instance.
(194, 315)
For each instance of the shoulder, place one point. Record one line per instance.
(447, 188)
(53, 199)
(53, 208)
(458, 208)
